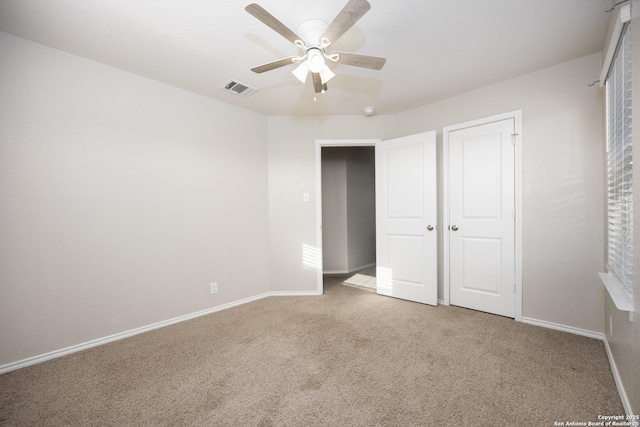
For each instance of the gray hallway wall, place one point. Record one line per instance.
(348, 208)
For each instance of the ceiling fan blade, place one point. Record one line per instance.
(317, 83)
(364, 61)
(273, 65)
(349, 15)
(268, 19)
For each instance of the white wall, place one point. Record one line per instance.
(562, 196)
(121, 198)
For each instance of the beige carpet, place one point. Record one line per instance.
(347, 358)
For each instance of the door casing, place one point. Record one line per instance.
(517, 118)
(329, 143)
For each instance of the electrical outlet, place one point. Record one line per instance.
(610, 326)
(214, 288)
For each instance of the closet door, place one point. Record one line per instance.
(482, 214)
(406, 212)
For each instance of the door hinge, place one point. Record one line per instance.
(513, 214)
(514, 288)
(514, 137)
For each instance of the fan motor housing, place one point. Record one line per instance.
(311, 30)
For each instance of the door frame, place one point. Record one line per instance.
(517, 118)
(329, 143)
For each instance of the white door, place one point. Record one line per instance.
(406, 236)
(481, 226)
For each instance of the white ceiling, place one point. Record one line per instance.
(434, 48)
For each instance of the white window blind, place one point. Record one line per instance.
(620, 165)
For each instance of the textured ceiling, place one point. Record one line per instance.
(434, 49)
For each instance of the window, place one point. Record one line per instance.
(620, 165)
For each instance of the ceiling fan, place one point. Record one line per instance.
(315, 37)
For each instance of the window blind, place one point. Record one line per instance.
(620, 165)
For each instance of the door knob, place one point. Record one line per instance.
(454, 228)
(430, 227)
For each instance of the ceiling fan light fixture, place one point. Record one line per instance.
(315, 60)
(301, 71)
(313, 38)
(326, 74)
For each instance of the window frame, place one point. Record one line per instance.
(617, 79)
(619, 149)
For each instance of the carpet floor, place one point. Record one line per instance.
(346, 358)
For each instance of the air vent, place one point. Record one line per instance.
(239, 88)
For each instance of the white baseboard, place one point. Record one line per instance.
(351, 270)
(94, 343)
(293, 294)
(115, 337)
(563, 328)
(616, 376)
(591, 334)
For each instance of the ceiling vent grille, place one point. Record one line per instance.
(239, 88)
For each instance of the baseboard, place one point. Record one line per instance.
(616, 376)
(115, 337)
(293, 294)
(351, 270)
(563, 328)
(362, 267)
(591, 334)
(100, 341)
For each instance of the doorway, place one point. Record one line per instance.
(345, 210)
(406, 211)
(348, 210)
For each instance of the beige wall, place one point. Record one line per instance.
(562, 152)
(121, 199)
(292, 172)
(562, 183)
(625, 340)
